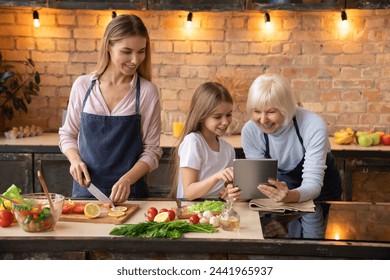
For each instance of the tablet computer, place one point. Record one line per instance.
(249, 173)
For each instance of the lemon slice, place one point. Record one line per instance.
(119, 208)
(91, 210)
(116, 214)
(162, 217)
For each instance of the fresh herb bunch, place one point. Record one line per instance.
(174, 229)
(207, 205)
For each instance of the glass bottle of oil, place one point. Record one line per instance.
(229, 218)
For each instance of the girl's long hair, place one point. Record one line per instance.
(124, 26)
(204, 101)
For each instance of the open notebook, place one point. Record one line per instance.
(268, 205)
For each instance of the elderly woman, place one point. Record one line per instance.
(298, 139)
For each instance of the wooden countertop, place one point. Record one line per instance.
(92, 241)
(250, 227)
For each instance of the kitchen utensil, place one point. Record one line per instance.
(13, 201)
(43, 183)
(179, 209)
(99, 195)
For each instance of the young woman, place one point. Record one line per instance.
(111, 134)
(203, 158)
(298, 139)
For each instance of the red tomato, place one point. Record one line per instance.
(152, 212)
(163, 210)
(6, 218)
(172, 215)
(194, 219)
(67, 208)
(78, 208)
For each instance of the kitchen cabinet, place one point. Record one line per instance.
(197, 5)
(55, 169)
(202, 5)
(99, 5)
(16, 168)
(316, 4)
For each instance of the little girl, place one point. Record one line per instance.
(203, 159)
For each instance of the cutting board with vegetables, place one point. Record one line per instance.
(103, 218)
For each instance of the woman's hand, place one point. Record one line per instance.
(121, 190)
(277, 192)
(79, 171)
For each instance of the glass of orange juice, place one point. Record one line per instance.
(177, 123)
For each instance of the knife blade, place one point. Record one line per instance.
(100, 195)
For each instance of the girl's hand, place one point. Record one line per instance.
(225, 175)
(79, 171)
(278, 193)
(120, 191)
(230, 192)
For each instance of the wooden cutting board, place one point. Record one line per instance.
(103, 218)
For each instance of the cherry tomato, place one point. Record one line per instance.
(6, 218)
(78, 208)
(163, 210)
(151, 213)
(194, 219)
(66, 208)
(172, 215)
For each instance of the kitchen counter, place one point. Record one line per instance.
(91, 241)
(48, 142)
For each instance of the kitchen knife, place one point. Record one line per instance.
(99, 195)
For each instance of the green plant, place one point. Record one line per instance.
(16, 89)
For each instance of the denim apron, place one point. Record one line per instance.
(110, 146)
(331, 190)
(310, 225)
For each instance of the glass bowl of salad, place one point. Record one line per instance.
(33, 214)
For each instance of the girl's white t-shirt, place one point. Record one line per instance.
(194, 152)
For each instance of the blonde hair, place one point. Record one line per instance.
(204, 101)
(272, 90)
(124, 26)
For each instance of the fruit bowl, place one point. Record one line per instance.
(34, 213)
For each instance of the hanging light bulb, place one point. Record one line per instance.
(36, 19)
(113, 15)
(189, 20)
(267, 19)
(344, 19)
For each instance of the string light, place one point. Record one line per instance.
(189, 20)
(344, 18)
(267, 20)
(36, 19)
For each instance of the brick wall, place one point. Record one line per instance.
(344, 75)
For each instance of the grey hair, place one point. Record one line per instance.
(272, 90)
